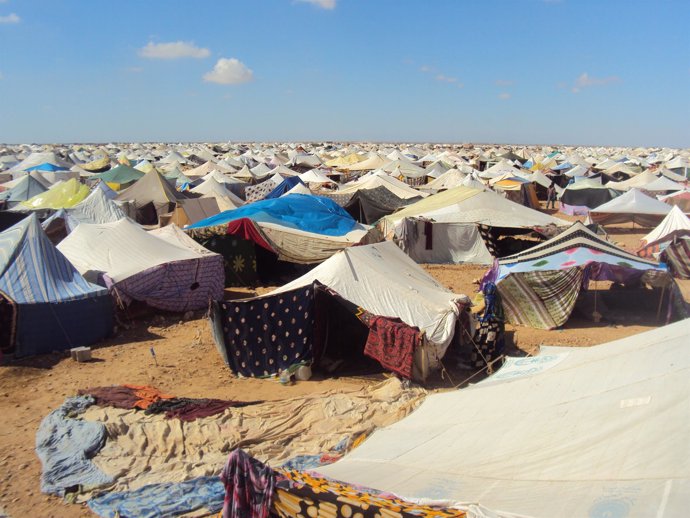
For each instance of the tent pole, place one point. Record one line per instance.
(661, 298)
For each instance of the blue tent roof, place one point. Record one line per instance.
(32, 270)
(283, 187)
(47, 166)
(299, 211)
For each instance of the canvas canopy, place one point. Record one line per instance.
(468, 205)
(120, 176)
(540, 286)
(633, 206)
(585, 431)
(137, 265)
(152, 196)
(370, 205)
(45, 304)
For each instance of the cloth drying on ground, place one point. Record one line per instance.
(65, 445)
(125, 396)
(249, 486)
(188, 409)
(155, 500)
(150, 449)
(308, 494)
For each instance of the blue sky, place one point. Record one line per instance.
(592, 72)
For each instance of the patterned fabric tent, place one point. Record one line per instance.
(39, 285)
(539, 286)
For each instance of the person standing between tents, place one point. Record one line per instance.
(489, 338)
(551, 196)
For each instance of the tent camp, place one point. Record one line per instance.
(45, 304)
(137, 265)
(633, 206)
(571, 432)
(539, 287)
(343, 308)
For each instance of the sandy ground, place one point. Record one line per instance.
(189, 365)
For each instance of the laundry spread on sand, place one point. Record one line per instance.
(170, 499)
(147, 449)
(125, 396)
(65, 445)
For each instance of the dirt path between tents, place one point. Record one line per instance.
(189, 365)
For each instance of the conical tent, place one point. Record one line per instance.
(39, 285)
(152, 197)
(120, 177)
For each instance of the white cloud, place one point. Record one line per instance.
(446, 79)
(173, 50)
(504, 96)
(229, 71)
(426, 69)
(504, 82)
(585, 81)
(10, 18)
(323, 4)
(134, 70)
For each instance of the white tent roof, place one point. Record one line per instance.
(633, 202)
(95, 208)
(383, 280)
(674, 221)
(448, 180)
(467, 205)
(212, 188)
(583, 431)
(119, 249)
(315, 176)
(176, 236)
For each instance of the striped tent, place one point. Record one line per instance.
(45, 304)
(539, 286)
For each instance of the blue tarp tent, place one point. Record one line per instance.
(304, 212)
(45, 304)
(283, 187)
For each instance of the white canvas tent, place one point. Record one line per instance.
(633, 206)
(592, 431)
(383, 280)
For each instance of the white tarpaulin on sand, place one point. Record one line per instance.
(593, 432)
